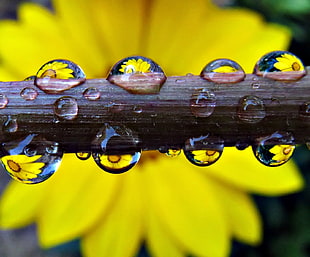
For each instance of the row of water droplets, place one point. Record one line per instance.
(31, 160)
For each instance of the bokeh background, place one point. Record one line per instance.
(286, 219)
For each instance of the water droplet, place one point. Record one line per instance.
(3, 101)
(274, 150)
(202, 103)
(27, 161)
(304, 110)
(115, 149)
(32, 77)
(223, 71)
(11, 125)
(255, 85)
(116, 164)
(251, 109)
(29, 93)
(83, 155)
(137, 75)
(242, 145)
(173, 152)
(137, 109)
(91, 94)
(280, 65)
(59, 75)
(66, 107)
(203, 150)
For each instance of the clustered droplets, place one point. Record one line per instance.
(116, 149)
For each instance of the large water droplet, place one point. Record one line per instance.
(202, 102)
(304, 111)
(3, 101)
(28, 161)
(66, 107)
(116, 164)
(280, 65)
(115, 149)
(29, 93)
(59, 75)
(251, 109)
(138, 75)
(274, 150)
(11, 125)
(223, 71)
(203, 150)
(92, 94)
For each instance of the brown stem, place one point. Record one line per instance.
(185, 107)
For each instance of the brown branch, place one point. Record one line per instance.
(185, 107)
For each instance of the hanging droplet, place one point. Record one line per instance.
(83, 155)
(274, 150)
(116, 164)
(115, 149)
(66, 107)
(137, 109)
(59, 75)
(137, 75)
(223, 71)
(29, 93)
(202, 103)
(242, 145)
(11, 125)
(251, 109)
(304, 110)
(91, 94)
(203, 150)
(28, 161)
(280, 65)
(3, 101)
(173, 152)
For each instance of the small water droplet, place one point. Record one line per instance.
(189, 74)
(202, 102)
(29, 93)
(280, 65)
(137, 109)
(274, 150)
(66, 107)
(304, 110)
(137, 75)
(223, 71)
(11, 125)
(83, 155)
(3, 101)
(242, 145)
(173, 152)
(255, 85)
(116, 164)
(203, 150)
(115, 149)
(91, 94)
(26, 160)
(251, 109)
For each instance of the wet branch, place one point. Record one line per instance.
(185, 107)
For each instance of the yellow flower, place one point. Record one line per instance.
(22, 167)
(288, 62)
(57, 70)
(172, 206)
(282, 153)
(133, 65)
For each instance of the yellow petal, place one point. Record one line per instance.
(242, 169)
(188, 207)
(80, 196)
(161, 243)
(241, 213)
(119, 232)
(19, 204)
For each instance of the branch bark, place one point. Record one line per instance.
(185, 107)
